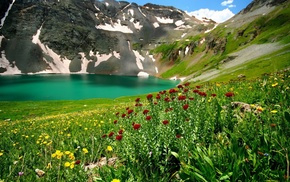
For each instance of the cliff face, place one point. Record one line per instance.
(88, 36)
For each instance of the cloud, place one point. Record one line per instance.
(227, 2)
(218, 16)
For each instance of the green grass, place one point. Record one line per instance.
(189, 133)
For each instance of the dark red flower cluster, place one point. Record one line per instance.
(121, 132)
(172, 91)
(136, 126)
(119, 137)
(145, 111)
(195, 91)
(162, 92)
(77, 162)
(149, 96)
(111, 134)
(148, 118)
(180, 86)
(168, 109)
(129, 111)
(158, 96)
(229, 94)
(137, 99)
(165, 122)
(203, 94)
(181, 97)
(185, 107)
(116, 121)
(213, 95)
(178, 136)
(104, 136)
(187, 84)
(123, 115)
(167, 99)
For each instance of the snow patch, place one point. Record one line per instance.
(139, 58)
(6, 14)
(85, 63)
(97, 8)
(107, 4)
(164, 20)
(102, 58)
(156, 69)
(115, 27)
(186, 50)
(129, 45)
(138, 26)
(202, 41)
(179, 23)
(211, 29)
(153, 59)
(176, 78)
(156, 25)
(183, 35)
(131, 11)
(143, 74)
(10, 68)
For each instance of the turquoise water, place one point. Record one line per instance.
(76, 87)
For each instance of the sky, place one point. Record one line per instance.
(217, 10)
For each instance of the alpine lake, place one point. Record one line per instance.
(77, 86)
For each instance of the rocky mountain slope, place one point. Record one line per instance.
(253, 42)
(88, 36)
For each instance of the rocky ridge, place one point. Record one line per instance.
(88, 36)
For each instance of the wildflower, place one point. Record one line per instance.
(77, 162)
(1, 153)
(180, 86)
(48, 165)
(181, 97)
(137, 99)
(165, 122)
(274, 111)
(203, 94)
(145, 111)
(185, 107)
(109, 148)
(198, 87)
(115, 122)
(274, 84)
(195, 91)
(148, 118)
(119, 137)
(172, 91)
(229, 94)
(149, 96)
(85, 151)
(213, 95)
(111, 134)
(115, 180)
(71, 156)
(260, 109)
(40, 173)
(20, 173)
(130, 111)
(136, 126)
(104, 136)
(121, 132)
(273, 125)
(123, 115)
(187, 84)
(158, 96)
(178, 136)
(67, 152)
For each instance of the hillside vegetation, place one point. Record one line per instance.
(218, 50)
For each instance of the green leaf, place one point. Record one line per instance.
(200, 176)
(175, 154)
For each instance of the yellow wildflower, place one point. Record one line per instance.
(274, 84)
(109, 148)
(67, 152)
(1, 153)
(260, 109)
(274, 111)
(115, 180)
(48, 165)
(67, 164)
(71, 156)
(85, 151)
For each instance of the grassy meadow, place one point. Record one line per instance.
(222, 131)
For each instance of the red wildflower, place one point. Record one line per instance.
(148, 118)
(136, 126)
(130, 111)
(273, 125)
(229, 94)
(181, 97)
(203, 94)
(158, 96)
(123, 115)
(119, 137)
(179, 86)
(121, 132)
(172, 91)
(149, 96)
(117, 113)
(116, 121)
(167, 99)
(111, 134)
(137, 99)
(77, 162)
(195, 91)
(155, 103)
(127, 108)
(187, 84)
(178, 136)
(185, 107)
(213, 95)
(145, 111)
(198, 87)
(104, 136)
(162, 92)
(185, 90)
(168, 109)
(191, 98)
(165, 122)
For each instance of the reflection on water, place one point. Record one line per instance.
(77, 86)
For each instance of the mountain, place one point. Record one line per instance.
(254, 42)
(88, 36)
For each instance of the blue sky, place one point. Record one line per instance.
(218, 10)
